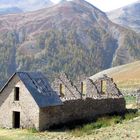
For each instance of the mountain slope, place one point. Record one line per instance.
(127, 76)
(11, 10)
(72, 36)
(128, 16)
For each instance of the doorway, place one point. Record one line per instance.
(16, 119)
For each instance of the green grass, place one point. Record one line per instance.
(131, 115)
(130, 100)
(102, 122)
(32, 130)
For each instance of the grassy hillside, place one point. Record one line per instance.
(126, 76)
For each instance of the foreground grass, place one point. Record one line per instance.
(104, 128)
(104, 122)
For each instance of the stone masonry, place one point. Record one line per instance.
(42, 105)
(27, 107)
(84, 107)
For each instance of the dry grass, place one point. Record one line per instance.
(126, 76)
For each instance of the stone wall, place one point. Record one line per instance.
(93, 88)
(29, 110)
(79, 109)
(111, 88)
(79, 106)
(71, 91)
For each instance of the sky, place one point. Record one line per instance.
(107, 5)
(25, 5)
(30, 5)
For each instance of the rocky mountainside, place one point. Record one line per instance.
(73, 36)
(128, 16)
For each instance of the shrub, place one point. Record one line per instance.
(32, 130)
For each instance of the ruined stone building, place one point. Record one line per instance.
(27, 100)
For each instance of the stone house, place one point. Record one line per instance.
(23, 97)
(27, 100)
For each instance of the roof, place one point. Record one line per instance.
(39, 87)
